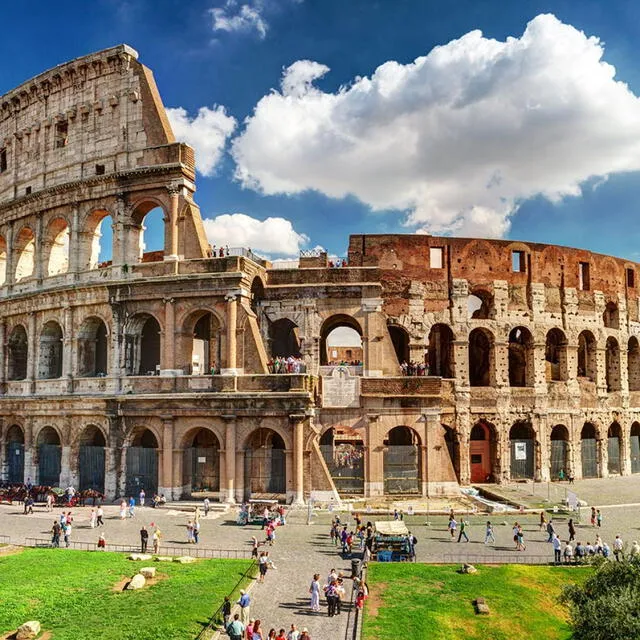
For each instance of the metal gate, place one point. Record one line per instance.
(91, 462)
(15, 462)
(613, 455)
(264, 471)
(522, 453)
(346, 466)
(635, 454)
(559, 458)
(588, 450)
(49, 464)
(202, 468)
(401, 466)
(142, 470)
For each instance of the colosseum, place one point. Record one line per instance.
(183, 372)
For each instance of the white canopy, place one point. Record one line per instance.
(392, 528)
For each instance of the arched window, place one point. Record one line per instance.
(142, 345)
(633, 364)
(201, 464)
(50, 360)
(559, 452)
(264, 463)
(482, 452)
(400, 340)
(520, 358)
(3, 260)
(610, 317)
(14, 456)
(285, 340)
(151, 232)
(142, 463)
(614, 440)
(343, 452)
(556, 355)
(440, 354)
(634, 445)
(57, 247)
(480, 304)
(99, 252)
(18, 351)
(49, 457)
(340, 341)
(25, 246)
(401, 461)
(480, 358)
(522, 437)
(587, 356)
(612, 362)
(92, 348)
(589, 451)
(91, 459)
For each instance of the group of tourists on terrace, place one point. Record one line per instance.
(290, 364)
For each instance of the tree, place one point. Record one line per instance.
(607, 604)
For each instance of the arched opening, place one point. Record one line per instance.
(91, 459)
(614, 439)
(100, 230)
(152, 232)
(559, 452)
(634, 446)
(587, 356)
(343, 452)
(589, 451)
(25, 247)
(142, 345)
(264, 464)
(340, 341)
(612, 363)
(400, 340)
(610, 316)
(57, 247)
(633, 364)
(556, 356)
(14, 455)
(18, 349)
(480, 358)
(201, 464)
(92, 348)
(285, 340)
(257, 296)
(3, 260)
(50, 357)
(142, 463)
(480, 304)
(203, 343)
(453, 449)
(401, 461)
(440, 353)
(521, 358)
(49, 457)
(523, 441)
(482, 452)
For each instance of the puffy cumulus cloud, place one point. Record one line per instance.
(455, 139)
(273, 236)
(207, 133)
(245, 17)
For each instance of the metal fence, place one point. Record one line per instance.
(191, 550)
(5, 539)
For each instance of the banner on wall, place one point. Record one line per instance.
(521, 450)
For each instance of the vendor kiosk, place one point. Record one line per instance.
(391, 541)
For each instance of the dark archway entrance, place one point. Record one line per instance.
(522, 438)
(92, 348)
(91, 459)
(50, 361)
(201, 463)
(265, 464)
(49, 457)
(482, 452)
(589, 451)
(343, 453)
(559, 451)
(285, 340)
(15, 454)
(480, 358)
(400, 340)
(614, 439)
(18, 350)
(440, 353)
(520, 358)
(142, 464)
(401, 461)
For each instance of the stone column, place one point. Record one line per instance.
(501, 364)
(232, 321)
(115, 368)
(239, 484)
(29, 450)
(166, 480)
(371, 340)
(298, 458)
(3, 455)
(229, 491)
(288, 459)
(68, 367)
(65, 465)
(39, 253)
(3, 350)
(374, 479)
(10, 265)
(461, 361)
(32, 352)
(74, 242)
(602, 450)
(110, 478)
(174, 195)
(169, 346)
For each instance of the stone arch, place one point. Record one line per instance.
(3, 260)
(200, 346)
(343, 450)
(633, 364)
(18, 352)
(634, 447)
(521, 372)
(149, 210)
(611, 316)
(56, 246)
(24, 252)
(614, 449)
(91, 458)
(49, 447)
(481, 358)
(142, 461)
(93, 348)
(587, 356)
(98, 249)
(478, 253)
(284, 338)
(555, 355)
(14, 454)
(523, 443)
(560, 448)
(257, 295)
(265, 463)
(612, 364)
(400, 340)
(332, 323)
(50, 364)
(201, 462)
(589, 450)
(480, 304)
(440, 354)
(401, 461)
(483, 450)
(142, 344)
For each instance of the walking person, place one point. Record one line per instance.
(207, 505)
(463, 526)
(593, 516)
(488, 535)
(520, 539)
(226, 611)
(572, 530)
(142, 497)
(618, 548)
(263, 565)
(132, 507)
(123, 509)
(99, 516)
(314, 590)
(557, 545)
(50, 500)
(543, 521)
(550, 530)
(67, 534)
(256, 633)
(236, 629)
(55, 534)
(189, 532)
(453, 525)
(599, 518)
(102, 542)
(245, 605)
(196, 531)
(144, 539)
(155, 539)
(92, 519)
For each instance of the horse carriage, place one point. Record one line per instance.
(18, 493)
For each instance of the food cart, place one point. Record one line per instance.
(253, 510)
(391, 541)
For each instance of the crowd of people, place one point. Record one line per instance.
(412, 368)
(290, 364)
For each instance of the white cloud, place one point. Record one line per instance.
(273, 236)
(207, 133)
(456, 139)
(233, 17)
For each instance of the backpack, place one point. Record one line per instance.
(415, 541)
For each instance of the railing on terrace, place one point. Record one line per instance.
(327, 369)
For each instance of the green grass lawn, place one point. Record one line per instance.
(431, 601)
(72, 594)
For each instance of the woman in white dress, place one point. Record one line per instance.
(314, 590)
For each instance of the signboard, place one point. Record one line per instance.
(521, 450)
(202, 459)
(340, 389)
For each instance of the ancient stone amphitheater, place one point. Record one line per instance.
(153, 370)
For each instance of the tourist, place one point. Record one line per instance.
(123, 509)
(598, 544)
(281, 635)
(102, 543)
(580, 552)
(635, 549)
(245, 604)
(263, 565)
(340, 595)
(593, 516)
(92, 519)
(293, 634)
(189, 532)
(489, 534)
(249, 629)
(463, 526)
(236, 628)
(314, 590)
(226, 611)
(590, 549)
(196, 531)
(453, 525)
(543, 521)
(50, 501)
(305, 634)
(132, 507)
(55, 534)
(568, 553)
(272, 635)
(520, 539)
(99, 516)
(514, 532)
(618, 548)
(599, 518)
(206, 504)
(572, 530)
(144, 539)
(606, 550)
(330, 593)
(550, 530)
(28, 505)
(142, 496)
(67, 534)
(555, 541)
(155, 539)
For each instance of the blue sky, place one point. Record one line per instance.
(532, 140)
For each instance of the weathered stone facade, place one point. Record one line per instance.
(531, 351)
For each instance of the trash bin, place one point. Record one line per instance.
(356, 567)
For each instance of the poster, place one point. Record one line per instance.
(521, 450)
(202, 460)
